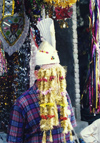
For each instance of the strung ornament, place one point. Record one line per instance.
(3, 62)
(63, 24)
(11, 28)
(14, 25)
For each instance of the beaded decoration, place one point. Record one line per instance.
(44, 51)
(11, 26)
(53, 93)
(8, 8)
(52, 58)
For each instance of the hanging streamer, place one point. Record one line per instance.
(94, 68)
(3, 62)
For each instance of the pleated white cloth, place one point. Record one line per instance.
(91, 134)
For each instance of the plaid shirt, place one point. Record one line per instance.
(25, 118)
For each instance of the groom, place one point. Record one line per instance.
(44, 113)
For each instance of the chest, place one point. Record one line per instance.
(33, 111)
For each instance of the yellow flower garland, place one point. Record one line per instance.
(49, 101)
(61, 3)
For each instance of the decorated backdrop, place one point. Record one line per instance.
(19, 38)
(90, 93)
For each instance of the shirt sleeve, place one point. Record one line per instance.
(71, 116)
(91, 133)
(15, 127)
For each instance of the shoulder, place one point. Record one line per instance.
(24, 100)
(68, 98)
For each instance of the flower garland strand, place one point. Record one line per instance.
(60, 3)
(53, 93)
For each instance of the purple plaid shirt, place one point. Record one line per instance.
(25, 118)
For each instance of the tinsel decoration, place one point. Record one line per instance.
(24, 68)
(15, 82)
(60, 3)
(18, 57)
(3, 62)
(34, 47)
(93, 79)
(53, 11)
(33, 10)
(19, 6)
(6, 100)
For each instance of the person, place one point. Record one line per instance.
(91, 134)
(44, 113)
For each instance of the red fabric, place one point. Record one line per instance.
(62, 13)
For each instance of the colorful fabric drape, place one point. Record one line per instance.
(3, 62)
(93, 80)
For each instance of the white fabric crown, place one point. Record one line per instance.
(47, 54)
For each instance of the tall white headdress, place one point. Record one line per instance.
(47, 54)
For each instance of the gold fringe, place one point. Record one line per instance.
(71, 137)
(51, 139)
(44, 137)
(64, 139)
(57, 87)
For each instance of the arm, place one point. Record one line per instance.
(15, 127)
(90, 134)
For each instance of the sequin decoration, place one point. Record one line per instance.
(24, 68)
(15, 82)
(1, 9)
(19, 6)
(12, 28)
(5, 100)
(8, 7)
(3, 61)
